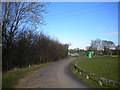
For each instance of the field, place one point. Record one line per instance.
(106, 67)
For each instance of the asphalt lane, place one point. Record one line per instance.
(55, 75)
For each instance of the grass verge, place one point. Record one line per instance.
(10, 79)
(106, 67)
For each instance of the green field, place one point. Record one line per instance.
(106, 67)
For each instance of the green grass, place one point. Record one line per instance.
(106, 67)
(10, 79)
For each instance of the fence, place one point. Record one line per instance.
(100, 79)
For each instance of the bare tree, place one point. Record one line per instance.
(107, 45)
(96, 44)
(22, 45)
(15, 16)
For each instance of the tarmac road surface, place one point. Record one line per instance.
(56, 75)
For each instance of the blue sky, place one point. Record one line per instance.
(77, 23)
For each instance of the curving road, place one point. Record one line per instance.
(55, 75)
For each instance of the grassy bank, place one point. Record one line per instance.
(11, 78)
(106, 67)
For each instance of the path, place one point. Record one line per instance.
(55, 75)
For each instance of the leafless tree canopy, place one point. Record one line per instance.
(105, 45)
(16, 15)
(96, 44)
(22, 45)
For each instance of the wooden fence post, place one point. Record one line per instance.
(87, 77)
(100, 83)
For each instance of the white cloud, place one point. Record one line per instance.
(111, 34)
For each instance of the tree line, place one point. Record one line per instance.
(22, 45)
(100, 48)
(32, 48)
(106, 47)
